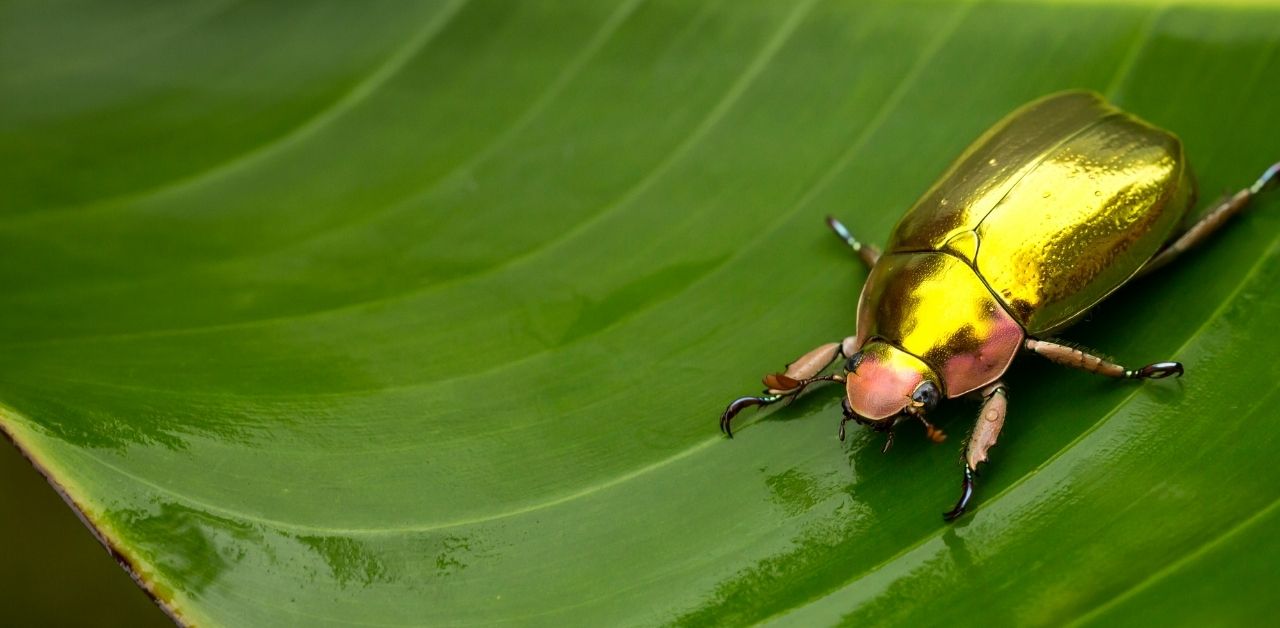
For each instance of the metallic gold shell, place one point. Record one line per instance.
(990, 167)
(1056, 206)
(935, 307)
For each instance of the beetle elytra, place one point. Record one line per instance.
(1043, 216)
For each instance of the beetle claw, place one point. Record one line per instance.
(1268, 179)
(888, 442)
(1159, 370)
(738, 405)
(848, 415)
(966, 493)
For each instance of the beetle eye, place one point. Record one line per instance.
(927, 395)
(851, 365)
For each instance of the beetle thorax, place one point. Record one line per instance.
(933, 307)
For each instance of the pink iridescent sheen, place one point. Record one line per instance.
(971, 370)
(883, 382)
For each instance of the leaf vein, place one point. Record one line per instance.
(366, 87)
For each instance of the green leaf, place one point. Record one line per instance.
(388, 314)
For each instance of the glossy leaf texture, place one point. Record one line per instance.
(380, 313)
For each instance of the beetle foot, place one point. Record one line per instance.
(738, 405)
(848, 415)
(888, 442)
(966, 493)
(1159, 370)
(1268, 179)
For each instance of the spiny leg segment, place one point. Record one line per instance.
(804, 370)
(792, 381)
(995, 404)
(1076, 358)
(1213, 220)
(985, 432)
(993, 410)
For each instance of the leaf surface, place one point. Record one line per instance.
(383, 314)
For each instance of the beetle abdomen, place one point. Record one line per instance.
(1084, 221)
(1088, 200)
(991, 166)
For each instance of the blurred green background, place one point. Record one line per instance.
(379, 312)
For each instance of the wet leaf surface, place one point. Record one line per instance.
(403, 315)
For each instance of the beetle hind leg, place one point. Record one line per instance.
(1159, 370)
(1076, 358)
(985, 433)
(1212, 220)
(1269, 179)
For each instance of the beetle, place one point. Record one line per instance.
(1043, 216)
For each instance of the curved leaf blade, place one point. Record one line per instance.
(443, 339)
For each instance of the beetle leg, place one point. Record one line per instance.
(888, 441)
(985, 432)
(848, 416)
(1075, 358)
(868, 252)
(738, 405)
(811, 363)
(884, 426)
(792, 381)
(771, 397)
(1213, 220)
(807, 366)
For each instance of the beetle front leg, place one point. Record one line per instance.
(797, 376)
(1213, 220)
(1075, 358)
(867, 252)
(985, 432)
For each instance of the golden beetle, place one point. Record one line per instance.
(1052, 209)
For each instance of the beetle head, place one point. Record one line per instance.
(884, 382)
